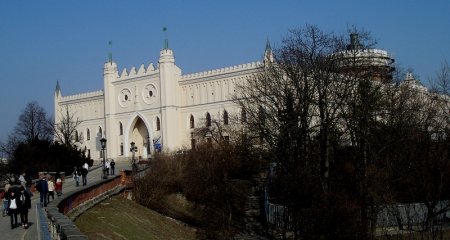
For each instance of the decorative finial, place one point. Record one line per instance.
(166, 41)
(110, 52)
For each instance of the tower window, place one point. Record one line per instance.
(158, 124)
(192, 122)
(225, 117)
(120, 129)
(208, 120)
(88, 134)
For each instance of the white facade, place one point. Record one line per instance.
(151, 105)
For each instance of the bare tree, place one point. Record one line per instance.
(65, 130)
(32, 124)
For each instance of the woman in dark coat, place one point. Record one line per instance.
(24, 205)
(13, 206)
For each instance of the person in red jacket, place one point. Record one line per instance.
(58, 187)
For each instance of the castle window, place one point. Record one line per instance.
(88, 134)
(192, 122)
(150, 93)
(76, 136)
(243, 116)
(208, 119)
(99, 134)
(225, 117)
(121, 149)
(158, 124)
(120, 129)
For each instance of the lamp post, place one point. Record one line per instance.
(148, 147)
(103, 143)
(133, 160)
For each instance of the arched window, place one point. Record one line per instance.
(225, 117)
(76, 136)
(208, 119)
(262, 115)
(88, 134)
(158, 124)
(99, 134)
(192, 122)
(243, 116)
(121, 149)
(120, 129)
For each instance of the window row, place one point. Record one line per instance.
(208, 119)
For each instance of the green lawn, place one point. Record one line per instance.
(119, 218)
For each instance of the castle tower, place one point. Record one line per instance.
(110, 74)
(169, 74)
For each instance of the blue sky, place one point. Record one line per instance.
(45, 41)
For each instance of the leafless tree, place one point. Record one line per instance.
(32, 124)
(65, 130)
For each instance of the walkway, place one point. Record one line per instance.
(68, 186)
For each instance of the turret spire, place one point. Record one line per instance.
(268, 54)
(110, 52)
(57, 89)
(166, 40)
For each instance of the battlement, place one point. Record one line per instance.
(139, 73)
(82, 96)
(232, 69)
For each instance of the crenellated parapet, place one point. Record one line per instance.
(225, 70)
(142, 71)
(82, 96)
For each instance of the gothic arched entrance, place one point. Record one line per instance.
(138, 132)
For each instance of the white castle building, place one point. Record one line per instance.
(156, 107)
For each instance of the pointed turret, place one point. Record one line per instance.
(268, 54)
(57, 99)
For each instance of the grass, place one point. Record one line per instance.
(120, 218)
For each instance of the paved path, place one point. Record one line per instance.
(68, 185)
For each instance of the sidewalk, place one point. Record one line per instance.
(68, 186)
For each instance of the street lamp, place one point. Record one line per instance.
(148, 147)
(103, 143)
(133, 160)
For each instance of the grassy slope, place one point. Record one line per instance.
(119, 218)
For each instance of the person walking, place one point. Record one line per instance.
(112, 165)
(23, 206)
(4, 197)
(108, 165)
(22, 180)
(84, 173)
(58, 187)
(13, 207)
(51, 189)
(42, 188)
(76, 176)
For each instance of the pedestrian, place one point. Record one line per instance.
(108, 165)
(76, 176)
(112, 165)
(42, 188)
(13, 207)
(84, 173)
(58, 187)
(4, 197)
(86, 165)
(51, 189)
(23, 206)
(22, 180)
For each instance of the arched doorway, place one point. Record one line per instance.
(139, 133)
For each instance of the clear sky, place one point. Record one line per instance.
(45, 41)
